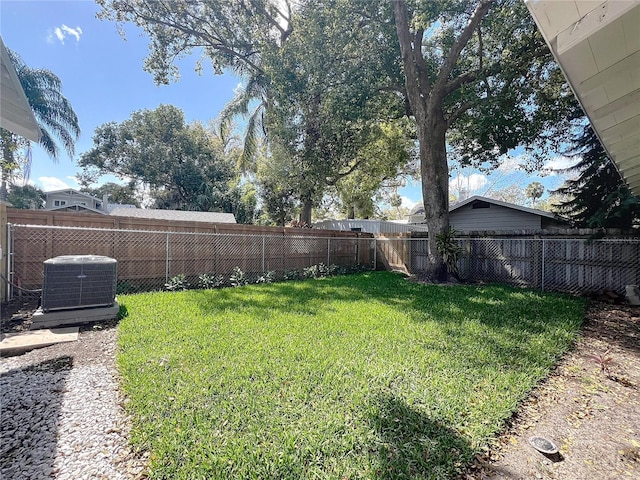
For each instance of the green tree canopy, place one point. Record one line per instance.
(184, 166)
(56, 118)
(598, 197)
(26, 197)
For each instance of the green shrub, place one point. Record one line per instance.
(207, 282)
(267, 277)
(179, 282)
(238, 278)
(450, 249)
(292, 275)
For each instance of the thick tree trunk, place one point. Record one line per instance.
(435, 186)
(426, 94)
(351, 214)
(305, 213)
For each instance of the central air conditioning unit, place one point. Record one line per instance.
(78, 282)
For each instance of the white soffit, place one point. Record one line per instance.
(15, 113)
(597, 45)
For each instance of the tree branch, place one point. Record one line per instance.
(213, 42)
(458, 112)
(425, 83)
(411, 75)
(454, 53)
(340, 175)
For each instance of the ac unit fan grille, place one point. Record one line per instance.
(80, 281)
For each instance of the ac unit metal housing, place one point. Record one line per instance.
(79, 281)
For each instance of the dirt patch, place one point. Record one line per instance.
(16, 315)
(589, 407)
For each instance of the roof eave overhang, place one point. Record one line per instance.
(15, 112)
(597, 46)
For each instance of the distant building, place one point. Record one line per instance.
(75, 201)
(481, 214)
(369, 226)
(183, 215)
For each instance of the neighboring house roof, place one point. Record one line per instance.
(72, 191)
(419, 209)
(15, 112)
(183, 215)
(75, 206)
(112, 206)
(367, 225)
(533, 211)
(597, 45)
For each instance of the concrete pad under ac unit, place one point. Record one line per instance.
(42, 319)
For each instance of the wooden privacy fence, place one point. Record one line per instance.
(558, 264)
(573, 265)
(148, 259)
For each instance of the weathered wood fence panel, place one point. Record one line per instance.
(148, 259)
(574, 265)
(152, 251)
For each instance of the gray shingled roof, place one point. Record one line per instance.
(186, 216)
(419, 208)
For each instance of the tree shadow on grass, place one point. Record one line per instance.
(410, 445)
(31, 399)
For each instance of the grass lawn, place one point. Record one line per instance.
(363, 376)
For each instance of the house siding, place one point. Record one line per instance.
(70, 198)
(368, 226)
(495, 217)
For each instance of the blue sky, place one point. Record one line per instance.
(103, 78)
(101, 73)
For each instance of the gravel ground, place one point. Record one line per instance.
(62, 415)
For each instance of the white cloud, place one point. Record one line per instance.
(61, 33)
(512, 164)
(558, 163)
(407, 202)
(471, 183)
(52, 183)
(74, 32)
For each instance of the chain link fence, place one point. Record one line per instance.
(148, 260)
(563, 265)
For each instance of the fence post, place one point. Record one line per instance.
(7, 255)
(542, 266)
(263, 269)
(375, 253)
(536, 262)
(166, 269)
(328, 251)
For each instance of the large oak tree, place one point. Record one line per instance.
(478, 77)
